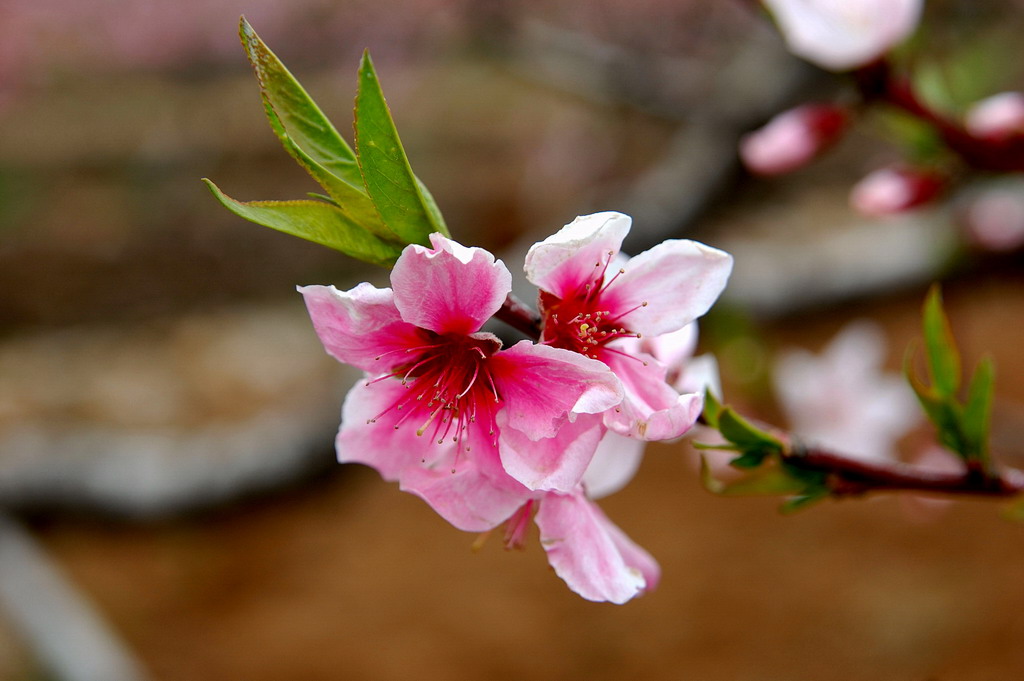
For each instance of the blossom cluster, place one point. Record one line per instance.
(490, 435)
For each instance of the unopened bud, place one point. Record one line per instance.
(893, 190)
(997, 118)
(793, 138)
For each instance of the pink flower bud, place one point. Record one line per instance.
(793, 138)
(843, 34)
(994, 217)
(893, 190)
(997, 118)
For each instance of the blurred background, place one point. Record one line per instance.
(171, 505)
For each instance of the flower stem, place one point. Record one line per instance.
(519, 316)
(855, 477)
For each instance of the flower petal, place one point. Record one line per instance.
(361, 325)
(551, 464)
(615, 462)
(539, 385)
(576, 254)
(450, 288)
(591, 554)
(650, 409)
(477, 496)
(665, 288)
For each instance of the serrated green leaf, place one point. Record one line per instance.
(744, 434)
(399, 196)
(322, 223)
(294, 114)
(940, 346)
(309, 137)
(978, 409)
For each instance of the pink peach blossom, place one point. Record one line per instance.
(439, 393)
(597, 302)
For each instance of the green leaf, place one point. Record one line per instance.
(309, 137)
(293, 113)
(978, 409)
(322, 223)
(943, 412)
(404, 205)
(769, 480)
(712, 408)
(943, 357)
(751, 459)
(744, 434)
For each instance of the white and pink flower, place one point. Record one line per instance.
(596, 302)
(840, 35)
(439, 392)
(793, 138)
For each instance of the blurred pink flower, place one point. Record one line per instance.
(993, 216)
(438, 391)
(996, 118)
(840, 35)
(793, 138)
(888, 191)
(597, 302)
(842, 400)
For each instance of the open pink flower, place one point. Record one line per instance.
(439, 393)
(597, 303)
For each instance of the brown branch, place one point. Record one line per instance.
(853, 477)
(519, 316)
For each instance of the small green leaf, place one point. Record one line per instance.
(322, 223)
(744, 434)
(404, 205)
(943, 357)
(978, 409)
(712, 408)
(944, 413)
(293, 113)
(802, 501)
(769, 480)
(751, 459)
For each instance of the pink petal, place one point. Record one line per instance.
(650, 409)
(450, 288)
(555, 463)
(540, 385)
(470, 498)
(615, 462)
(477, 496)
(667, 287)
(361, 325)
(591, 554)
(577, 253)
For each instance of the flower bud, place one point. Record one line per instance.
(893, 190)
(840, 35)
(997, 118)
(793, 138)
